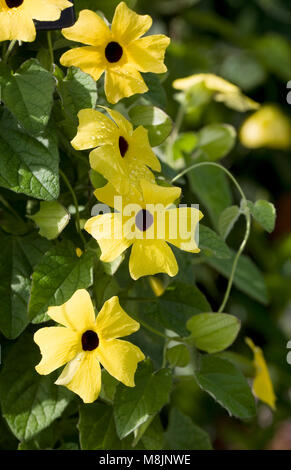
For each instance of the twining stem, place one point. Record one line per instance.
(197, 165)
(50, 48)
(9, 50)
(235, 261)
(178, 124)
(245, 212)
(69, 186)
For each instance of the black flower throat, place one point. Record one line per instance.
(14, 3)
(90, 340)
(144, 220)
(113, 52)
(123, 146)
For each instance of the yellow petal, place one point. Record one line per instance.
(148, 53)
(94, 129)
(224, 91)
(88, 58)
(77, 313)
(106, 194)
(16, 25)
(128, 25)
(180, 228)
(86, 380)
(120, 359)
(123, 124)
(108, 230)
(112, 321)
(45, 10)
(150, 257)
(89, 29)
(108, 161)
(123, 82)
(268, 127)
(262, 385)
(212, 82)
(155, 194)
(58, 345)
(157, 286)
(140, 149)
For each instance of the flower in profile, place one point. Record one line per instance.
(268, 127)
(120, 52)
(16, 17)
(123, 155)
(262, 385)
(84, 342)
(221, 90)
(147, 226)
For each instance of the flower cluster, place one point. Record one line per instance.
(145, 216)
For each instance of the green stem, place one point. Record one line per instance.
(197, 165)
(178, 123)
(153, 330)
(78, 226)
(235, 261)
(247, 216)
(9, 50)
(51, 50)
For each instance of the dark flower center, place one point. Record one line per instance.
(144, 220)
(14, 3)
(113, 52)
(123, 146)
(90, 340)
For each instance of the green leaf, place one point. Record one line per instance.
(227, 385)
(212, 243)
(78, 91)
(28, 165)
(172, 310)
(16, 264)
(247, 276)
(227, 220)
(184, 144)
(156, 121)
(264, 213)
(216, 140)
(156, 94)
(213, 332)
(133, 406)
(178, 356)
(109, 385)
(183, 434)
(28, 94)
(153, 436)
(52, 218)
(97, 428)
(55, 279)
(30, 402)
(211, 187)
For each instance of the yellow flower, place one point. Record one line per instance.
(123, 154)
(262, 386)
(148, 226)
(16, 17)
(268, 127)
(83, 342)
(121, 52)
(222, 90)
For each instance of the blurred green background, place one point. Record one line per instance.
(249, 44)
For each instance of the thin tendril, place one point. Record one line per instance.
(247, 216)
